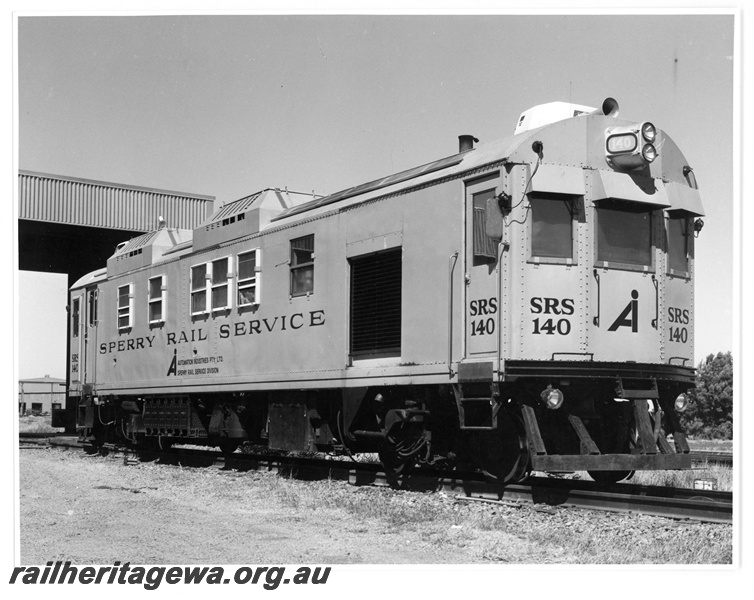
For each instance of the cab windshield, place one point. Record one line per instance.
(624, 234)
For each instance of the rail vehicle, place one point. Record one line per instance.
(524, 304)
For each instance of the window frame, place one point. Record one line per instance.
(615, 205)
(227, 283)
(296, 267)
(572, 203)
(484, 249)
(162, 300)
(75, 316)
(688, 236)
(92, 298)
(129, 309)
(195, 291)
(253, 282)
(210, 286)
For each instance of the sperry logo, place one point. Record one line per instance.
(630, 315)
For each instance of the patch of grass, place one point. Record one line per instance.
(711, 445)
(685, 479)
(33, 424)
(394, 508)
(495, 533)
(665, 542)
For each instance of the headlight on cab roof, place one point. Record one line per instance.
(631, 147)
(648, 132)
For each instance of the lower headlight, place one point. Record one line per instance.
(681, 402)
(553, 398)
(649, 152)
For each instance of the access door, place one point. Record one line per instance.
(83, 331)
(482, 301)
(76, 332)
(625, 288)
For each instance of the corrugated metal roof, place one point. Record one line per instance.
(137, 242)
(235, 207)
(45, 379)
(248, 215)
(143, 250)
(72, 201)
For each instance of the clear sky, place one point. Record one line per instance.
(229, 105)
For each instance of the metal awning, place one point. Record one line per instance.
(684, 199)
(608, 185)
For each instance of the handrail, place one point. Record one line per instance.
(452, 260)
(596, 319)
(501, 247)
(656, 320)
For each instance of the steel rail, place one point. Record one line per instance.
(701, 456)
(676, 503)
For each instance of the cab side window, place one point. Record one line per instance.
(552, 226)
(679, 245)
(624, 234)
(485, 248)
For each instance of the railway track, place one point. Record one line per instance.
(720, 458)
(676, 503)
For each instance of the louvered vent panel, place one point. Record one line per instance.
(376, 304)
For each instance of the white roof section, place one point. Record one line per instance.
(90, 278)
(552, 112)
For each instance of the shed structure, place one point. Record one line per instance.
(71, 225)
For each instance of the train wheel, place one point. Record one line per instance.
(610, 476)
(99, 437)
(395, 464)
(228, 446)
(403, 445)
(164, 444)
(503, 454)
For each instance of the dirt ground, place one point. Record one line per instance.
(96, 510)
